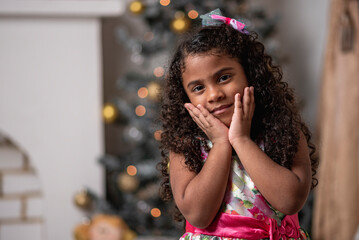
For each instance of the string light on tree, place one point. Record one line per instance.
(193, 14)
(127, 183)
(158, 71)
(157, 135)
(142, 92)
(133, 134)
(180, 23)
(131, 170)
(153, 90)
(136, 7)
(165, 2)
(109, 112)
(140, 110)
(155, 212)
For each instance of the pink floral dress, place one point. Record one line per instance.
(243, 198)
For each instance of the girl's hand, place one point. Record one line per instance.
(215, 130)
(242, 117)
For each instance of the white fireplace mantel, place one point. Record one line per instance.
(51, 98)
(77, 8)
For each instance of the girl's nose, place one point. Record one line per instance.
(215, 94)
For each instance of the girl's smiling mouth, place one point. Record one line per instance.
(221, 109)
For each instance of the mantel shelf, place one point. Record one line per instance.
(62, 8)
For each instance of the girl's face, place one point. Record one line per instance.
(213, 81)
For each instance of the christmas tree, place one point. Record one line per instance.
(132, 180)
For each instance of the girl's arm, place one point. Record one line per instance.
(199, 196)
(286, 190)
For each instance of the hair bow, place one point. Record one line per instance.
(215, 18)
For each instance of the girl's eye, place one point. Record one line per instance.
(224, 78)
(197, 88)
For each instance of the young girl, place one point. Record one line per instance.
(237, 158)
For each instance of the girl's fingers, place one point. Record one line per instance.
(195, 118)
(203, 110)
(252, 101)
(206, 114)
(197, 115)
(238, 108)
(191, 110)
(246, 101)
(202, 114)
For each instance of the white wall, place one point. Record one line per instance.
(51, 100)
(302, 32)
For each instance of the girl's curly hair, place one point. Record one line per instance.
(276, 119)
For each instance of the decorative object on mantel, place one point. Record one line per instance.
(83, 200)
(104, 227)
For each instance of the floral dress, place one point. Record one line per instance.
(243, 198)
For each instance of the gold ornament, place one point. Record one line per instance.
(83, 200)
(154, 90)
(136, 7)
(81, 231)
(180, 23)
(127, 183)
(110, 113)
(109, 227)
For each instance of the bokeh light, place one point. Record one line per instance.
(193, 14)
(148, 36)
(179, 14)
(180, 22)
(158, 71)
(155, 212)
(140, 110)
(165, 2)
(154, 90)
(136, 7)
(131, 170)
(109, 112)
(157, 135)
(142, 92)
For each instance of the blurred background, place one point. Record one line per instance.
(79, 107)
